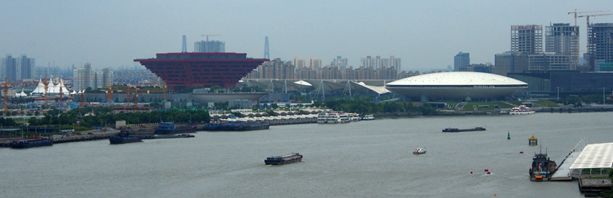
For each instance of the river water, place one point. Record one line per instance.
(362, 159)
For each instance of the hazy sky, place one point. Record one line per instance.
(425, 34)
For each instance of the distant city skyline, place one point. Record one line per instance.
(424, 35)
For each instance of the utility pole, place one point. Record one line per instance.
(5, 94)
(603, 95)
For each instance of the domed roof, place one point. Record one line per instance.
(457, 78)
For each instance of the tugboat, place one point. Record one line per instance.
(453, 130)
(29, 143)
(419, 151)
(286, 159)
(124, 137)
(542, 167)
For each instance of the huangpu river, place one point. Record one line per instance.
(360, 159)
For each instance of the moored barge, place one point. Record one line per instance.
(29, 143)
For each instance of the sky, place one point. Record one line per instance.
(424, 34)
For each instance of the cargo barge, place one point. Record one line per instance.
(29, 143)
(281, 160)
(236, 126)
(455, 130)
(123, 138)
(171, 128)
(172, 136)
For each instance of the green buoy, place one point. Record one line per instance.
(508, 135)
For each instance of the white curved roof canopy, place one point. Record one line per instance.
(457, 78)
(303, 83)
(376, 89)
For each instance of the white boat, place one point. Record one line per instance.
(368, 117)
(329, 117)
(521, 110)
(419, 151)
(354, 117)
(322, 117)
(345, 118)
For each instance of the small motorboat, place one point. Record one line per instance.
(419, 151)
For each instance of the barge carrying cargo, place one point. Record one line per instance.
(286, 159)
(454, 130)
(171, 128)
(123, 138)
(29, 143)
(236, 126)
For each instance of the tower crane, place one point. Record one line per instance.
(587, 17)
(575, 13)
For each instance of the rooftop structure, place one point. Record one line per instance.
(197, 70)
(595, 156)
(458, 85)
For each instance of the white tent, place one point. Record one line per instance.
(40, 88)
(52, 88)
(21, 94)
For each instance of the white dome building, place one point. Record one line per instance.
(457, 85)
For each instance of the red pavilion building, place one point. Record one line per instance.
(188, 70)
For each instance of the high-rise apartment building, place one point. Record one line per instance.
(527, 39)
(209, 46)
(340, 62)
(107, 77)
(562, 39)
(461, 62)
(600, 46)
(25, 68)
(9, 68)
(83, 77)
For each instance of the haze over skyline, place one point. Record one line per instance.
(425, 35)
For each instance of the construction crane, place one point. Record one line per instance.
(5, 93)
(207, 36)
(587, 17)
(587, 21)
(575, 12)
(109, 95)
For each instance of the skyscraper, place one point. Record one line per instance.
(527, 39)
(461, 62)
(25, 67)
(340, 62)
(83, 78)
(600, 46)
(209, 46)
(266, 48)
(107, 77)
(563, 39)
(9, 68)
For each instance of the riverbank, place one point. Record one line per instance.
(89, 135)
